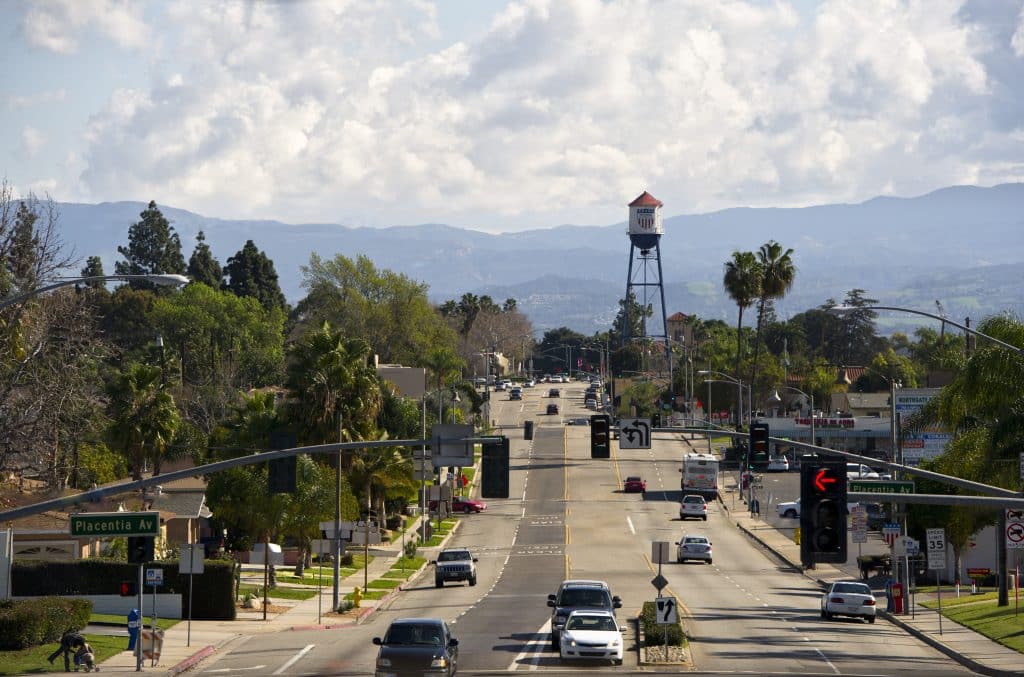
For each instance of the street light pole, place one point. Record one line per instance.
(739, 389)
(170, 280)
(810, 400)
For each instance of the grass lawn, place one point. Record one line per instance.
(277, 593)
(384, 584)
(369, 594)
(405, 567)
(326, 572)
(33, 660)
(950, 599)
(117, 619)
(987, 618)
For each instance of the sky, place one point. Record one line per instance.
(502, 116)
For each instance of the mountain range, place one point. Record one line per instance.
(959, 246)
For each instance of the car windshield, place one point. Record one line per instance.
(453, 556)
(632, 479)
(409, 633)
(693, 499)
(578, 622)
(583, 597)
(852, 588)
(695, 539)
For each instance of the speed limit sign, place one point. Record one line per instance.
(936, 548)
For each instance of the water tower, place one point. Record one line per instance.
(643, 280)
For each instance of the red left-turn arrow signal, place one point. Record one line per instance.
(821, 479)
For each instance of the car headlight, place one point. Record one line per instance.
(383, 662)
(439, 662)
(560, 620)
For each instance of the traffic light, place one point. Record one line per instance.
(494, 465)
(600, 436)
(128, 589)
(759, 438)
(140, 549)
(822, 511)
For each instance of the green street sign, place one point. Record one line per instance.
(879, 487)
(97, 524)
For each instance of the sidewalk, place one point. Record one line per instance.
(969, 648)
(181, 652)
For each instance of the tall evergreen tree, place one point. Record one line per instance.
(93, 268)
(203, 267)
(153, 248)
(251, 273)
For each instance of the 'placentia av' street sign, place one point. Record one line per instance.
(98, 524)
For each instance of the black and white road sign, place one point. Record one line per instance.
(635, 433)
(936, 548)
(666, 610)
(1015, 529)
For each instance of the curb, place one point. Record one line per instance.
(192, 660)
(938, 645)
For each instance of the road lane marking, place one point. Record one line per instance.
(630, 523)
(251, 667)
(834, 668)
(531, 651)
(293, 659)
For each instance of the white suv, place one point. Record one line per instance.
(693, 505)
(859, 471)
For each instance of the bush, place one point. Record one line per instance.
(393, 523)
(346, 560)
(213, 591)
(31, 622)
(654, 634)
(410, 549)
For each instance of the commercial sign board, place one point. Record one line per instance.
(100, 524)
(928, 443)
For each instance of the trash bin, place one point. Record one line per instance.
(527, 430)
(133, 628)
(151, 642)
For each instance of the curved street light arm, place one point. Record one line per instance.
(162, 280)
(848, 309)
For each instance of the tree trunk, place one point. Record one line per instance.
(739, 361)
(757, 352)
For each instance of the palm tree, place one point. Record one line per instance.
(444, 364)
(742, 282)
(330, 375)
(777, 276)
(144, 416)
(381, 468)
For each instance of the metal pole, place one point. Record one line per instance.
(336, 544)
(810, 396)
(423, 486)
(191, 556)
(142, 624)
(938, 588)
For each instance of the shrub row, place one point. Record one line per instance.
(212, 591)
(654, 634)
(30, 622)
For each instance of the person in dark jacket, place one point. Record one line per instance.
(69, 644)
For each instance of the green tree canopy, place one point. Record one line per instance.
(153, 248)
(250, 272)
(203, 267)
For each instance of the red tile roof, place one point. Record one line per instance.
(645, 200)
(675, 317)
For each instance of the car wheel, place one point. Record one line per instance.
(705, 518)
(616, 661)
(828, 616)
(467, 509)
(438, 583)
(822, 613)
(789, 513)
(871, 619)
(472, 580)
(554, 643)
(709, 561)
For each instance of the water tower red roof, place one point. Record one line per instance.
(645, 200)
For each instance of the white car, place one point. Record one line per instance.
(848, 598)
(778, 464)
(529, 383)
(859, 471)
(790, 509)
(592, 634)
(693, 547)
(695, 506)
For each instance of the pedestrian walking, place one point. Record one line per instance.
(70, 642)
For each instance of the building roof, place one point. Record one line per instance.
(191, 504)
(676, 317)
(645, 199)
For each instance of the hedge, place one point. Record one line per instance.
(654, 634)
(213, 590)
(31, 622)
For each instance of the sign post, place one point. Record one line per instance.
(937, 561)
(191, 562)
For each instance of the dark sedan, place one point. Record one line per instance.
(417, 646)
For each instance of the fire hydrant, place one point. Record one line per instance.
(357, 597)
(796, 536)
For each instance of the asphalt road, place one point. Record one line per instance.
(567, 517)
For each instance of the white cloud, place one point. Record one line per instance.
(21, 102)
(561, 111)
(1017, 41)
(32, 140)
(60, 25)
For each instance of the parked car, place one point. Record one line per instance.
(576, 594)
(693, 547)
(461, 504)
(848, 598)
(634, 484)
(590, 403)
(789, 509)
(859, 471)
(592, 634)
(417, 646)
(553, 409)
(693, 505)
(778, 464)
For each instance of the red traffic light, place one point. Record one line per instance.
(822, 478)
